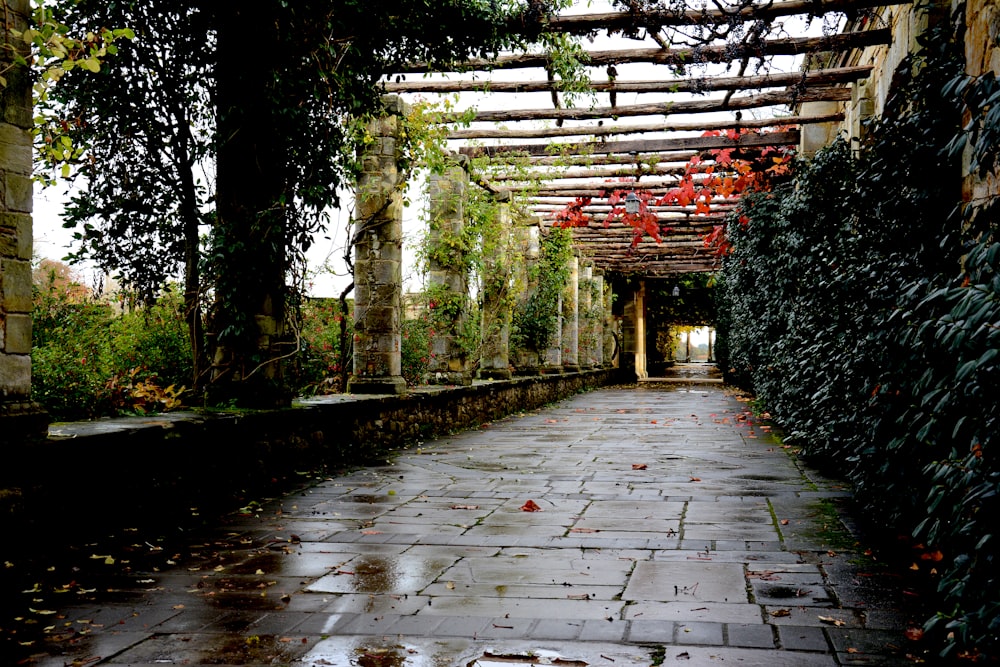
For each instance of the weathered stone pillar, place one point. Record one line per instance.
(553, 355)
(571, 318)
(378, 254)
(640, 331)
(497, 305)
(20, 419)
(600, 317)
(527, 361)
(447, 277)
(585, 332)
(611, 355)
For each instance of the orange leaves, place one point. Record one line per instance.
(530, 506)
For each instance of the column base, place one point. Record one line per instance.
(22, 422)
(571, 368)
(457, 378)
(392, 384)
(550, 370)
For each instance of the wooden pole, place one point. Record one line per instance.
(664, 108)
(823, 77)
(789, 46)
(617, 128)
(789, 137)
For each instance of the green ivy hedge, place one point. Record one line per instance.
(861, 303)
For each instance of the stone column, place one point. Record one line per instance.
(600, 317)
(497, 305)
(571, 318)
(585, 331)
(640, 331)
(447, 277)
(553, 355)
(626, 353)
(378, 254)
(20, 419)
(610, 359)
(526, 360)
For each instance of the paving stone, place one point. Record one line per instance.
(612, 630)
(749, 635)
(803, 638)
(551, 628)
(650, 631)
(700, 633)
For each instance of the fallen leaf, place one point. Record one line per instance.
(638, 466)
(530, 506)
(450, 585)
(178, 606)
(914, 634)
(696, 479)
(830, 620)
(780, 613)
(465, 507)
(784, 522)
(371, 532)
(852, 650)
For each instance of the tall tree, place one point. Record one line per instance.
(146, 122)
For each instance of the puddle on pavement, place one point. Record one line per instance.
(366, 499)
(781, 592)
(375, 575)
(540, 657)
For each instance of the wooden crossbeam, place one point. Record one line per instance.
(627, 21)
(773, 98)
(593, 159)
(614, 172)
(639, 146)
(621, 129)
(693, 85)
(789, 46)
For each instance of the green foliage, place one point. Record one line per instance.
(88, 361)
(860, 304)
(318, 365)
(536, 320)
(416, 349)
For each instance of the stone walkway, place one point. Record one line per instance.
(667, 526)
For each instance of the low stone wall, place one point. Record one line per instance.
(159, 468)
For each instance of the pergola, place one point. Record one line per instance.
(704, 68)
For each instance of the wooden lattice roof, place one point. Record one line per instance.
(683, 62)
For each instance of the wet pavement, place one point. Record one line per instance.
(628, 526)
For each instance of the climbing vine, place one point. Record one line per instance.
(860, 303)
(536, 319)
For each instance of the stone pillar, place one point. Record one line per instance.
(447, 277)
(640, 331)
(626, 353)
(526, 360)
(378, 254)
(600, 317)
(20, 419)
(610, 355)
(571, 318)
(497, 304)
(553, 355)
(586, 306)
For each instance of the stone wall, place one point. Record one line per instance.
(19, 418)
(157, 468)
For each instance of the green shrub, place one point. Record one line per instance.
(416, 349)
(319, 364)
(88, 361)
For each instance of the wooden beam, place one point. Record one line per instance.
(628, 21)
(571, 160)
(789, 46)
(772, 98)
(618, 128)
(787, 137)
(693, 85)
(614, 172)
